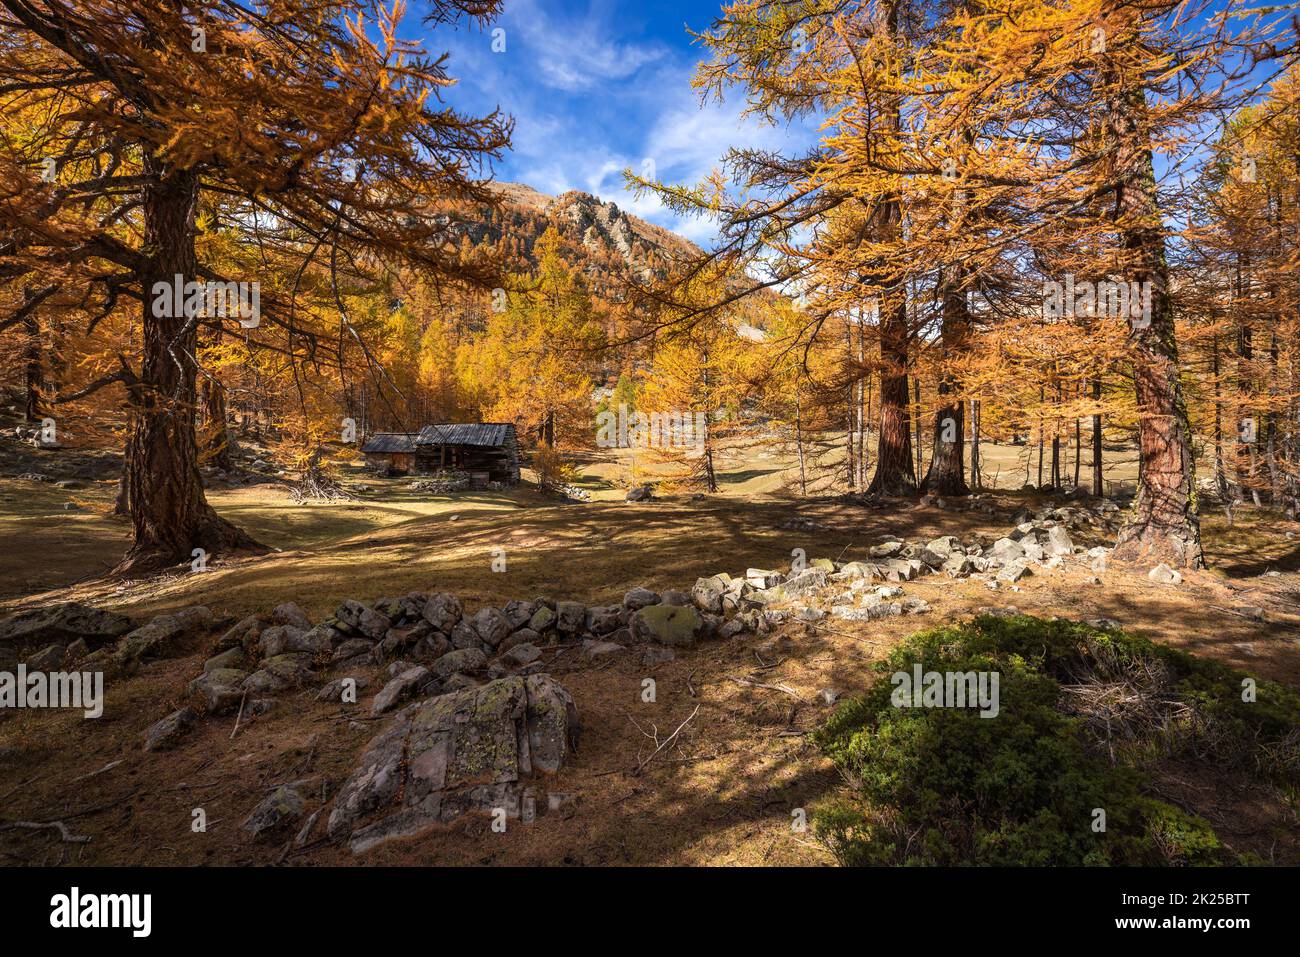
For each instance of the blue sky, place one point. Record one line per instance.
(597, 87)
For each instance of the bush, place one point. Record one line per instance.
(1080, 711)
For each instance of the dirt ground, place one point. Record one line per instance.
(724, 791)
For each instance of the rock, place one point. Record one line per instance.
(1059, 542)
(352, 648)
(1164, 575)
(1014, 571)
(885, 549)
(334, 690)
(279, 639)
(763, 578)
(1033, 551)
(657, 655)
(167, 733)
(442, 611)
(639, 598)
(279, 672)
(602, 620)
(1006, 550)
(674, 597)
(218, 690)
(400, 688)
(958, 566)
(676, 625)
(521, 654)
(829, 695)
(491, 625)
(64, 623)
(518, 613)
(280, 808)
(945, 546)
(571, 617)
(288, 613)
(157, 638)
(543, 619)
(230, 658)
(246, 631)
(707, 593)
(732, 629)
(464, 635)
(471, 750)
(642, 493)
(600, 649)
(367, 621)
(915, 606)
(524, 636)
(1099, 558)
(804, 582)
(462, 660)
(49, 658)
(76, 651)
(432, 647)
(304, 834)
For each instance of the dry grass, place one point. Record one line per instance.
(722, 793)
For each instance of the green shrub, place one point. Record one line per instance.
(942, 786)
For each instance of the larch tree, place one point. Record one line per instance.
(321, 130)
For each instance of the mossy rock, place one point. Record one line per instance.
(677, 625)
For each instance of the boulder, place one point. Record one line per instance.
(442, 611)
(1006, 550)
(491, 625)
(366, 621)
(707, 593)
(64, 623)
(521, 654)
(1058, 542)
(542, 619)
(518, 613)
(676, 625)
(279, 809)
(886, 549)
(763, 577)
(158, 638)
(400, 688)
(571, 617)
(600, 649)
(1164, 575)
(642, 493)
(334, 690)
(288, 613)
(471, 750)
(603, 619)
(167, 733)
(639, 598)
(462, 660)
(218, 690)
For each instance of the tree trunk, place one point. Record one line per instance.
(216, 433)
(894, 476)
(1163, 525)
(946, 475)
(1098, 482)
(170, 515)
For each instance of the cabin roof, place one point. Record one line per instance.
(389, 442)
(491, 434)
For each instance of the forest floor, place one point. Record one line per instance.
(723, 793)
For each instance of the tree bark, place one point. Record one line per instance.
(894, 471)
(947, 473)
(1164, 525)
(170, 515)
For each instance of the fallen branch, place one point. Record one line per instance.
(67, 836)
(666, 742)
(757, 684)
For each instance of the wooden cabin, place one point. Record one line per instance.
(486, 452)
(390, 452)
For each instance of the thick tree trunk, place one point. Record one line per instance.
(1164, 525)
(170, 515)
(216, 432)
(947, 473)
(894, 476)
(34, 381)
